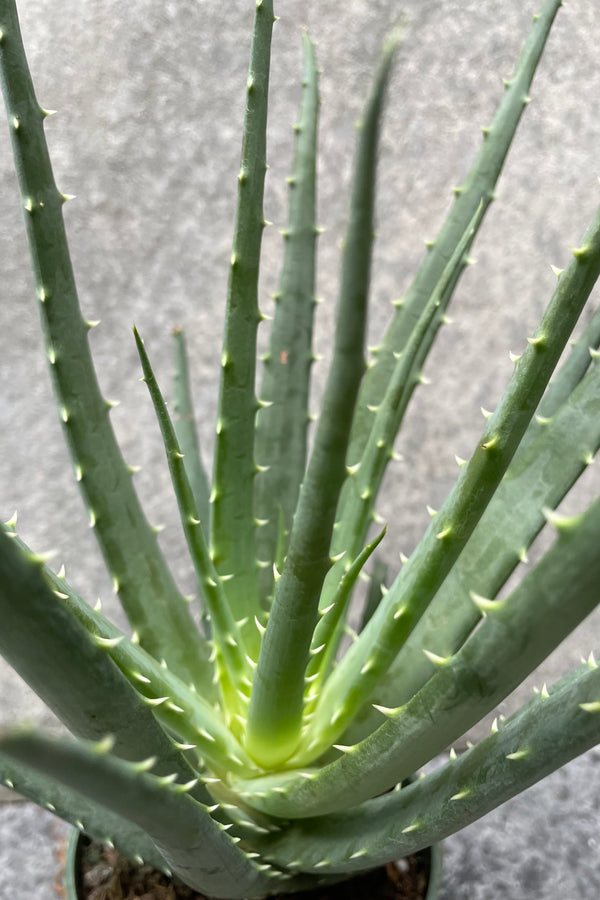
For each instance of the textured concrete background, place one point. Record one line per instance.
(150, 100)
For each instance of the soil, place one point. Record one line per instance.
(109, 876)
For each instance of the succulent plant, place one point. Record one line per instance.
(238, 742)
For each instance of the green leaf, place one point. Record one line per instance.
(328, 629)
(538, 478)
(92, 818)
(564, 383)
(184, 713)
(478, 187)
(516, 635)
(371, 655)
(44, 642)
(233, 543)
(544, 735)
(141, 577)
(275, 713)
(185, 429)
(377, 589)
(194, 845)
(231, 655)
(282, 421)
(356, 507)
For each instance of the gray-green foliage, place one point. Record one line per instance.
(245, 755)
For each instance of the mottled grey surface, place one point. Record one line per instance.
(542, 845)
(31, 852)
(150, 98)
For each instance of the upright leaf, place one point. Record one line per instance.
(233, 544)
(478, 187)
(145, 586)
(409, 596)
(282, 422)
(275, 713)
(185, 429)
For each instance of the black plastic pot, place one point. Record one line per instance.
(72, 876)
(435, 871)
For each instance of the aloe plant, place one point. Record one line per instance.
(232, 742)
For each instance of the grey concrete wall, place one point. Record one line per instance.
(150, 99)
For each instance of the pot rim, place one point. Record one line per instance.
(72, 881)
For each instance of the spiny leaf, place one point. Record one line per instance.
(281, 426)
(128, 543)
(278, 685)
